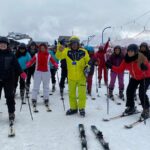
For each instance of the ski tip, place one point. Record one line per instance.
(11, 135)
(128, 126)
(105, 119)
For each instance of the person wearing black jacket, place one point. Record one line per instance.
(9, 68)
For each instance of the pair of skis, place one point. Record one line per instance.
(129, 126)
(98, 134)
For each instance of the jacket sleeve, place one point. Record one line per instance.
(119, 69)
(61, 55)
(31, 62)
(53, 62)
(106, 46)
(17, 66)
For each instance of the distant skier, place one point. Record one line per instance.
(139, 69)
(9, 68)
(115, 59)
(100, 56)
(77, 64)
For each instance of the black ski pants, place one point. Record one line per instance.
(143, 86)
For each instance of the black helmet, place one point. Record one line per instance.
(22, 46)
(133, 47)
(33, 43)
(144, 44)
(4, 40)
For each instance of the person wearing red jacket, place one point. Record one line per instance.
(139, 69)
(100, 56)
(42, 73)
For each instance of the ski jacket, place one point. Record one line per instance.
(76, 61)
(100, 55)
(42, 59)
(23, 60)
(9, 66)
(134, 67)
(115, 59)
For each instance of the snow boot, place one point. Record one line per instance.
(145, 113)
(22, 91)
(82, 112)
(121, 95)
(71, 111)
(46, 102)
(130, 110)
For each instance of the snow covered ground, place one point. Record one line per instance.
(56, 131)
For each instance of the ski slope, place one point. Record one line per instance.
(56, 131)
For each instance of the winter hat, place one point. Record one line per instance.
(133, 47)
(22, 46)
(4, 40)
(144, 44)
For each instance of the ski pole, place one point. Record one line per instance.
(96, 80)
(107, 92)
(30, 108)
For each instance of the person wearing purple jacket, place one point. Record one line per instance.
(116, 59)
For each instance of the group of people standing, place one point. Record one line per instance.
(78, 64)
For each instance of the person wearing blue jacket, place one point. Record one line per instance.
(53, 70)
(23, 57)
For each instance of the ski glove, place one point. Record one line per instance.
(143, 67)
(23, 75)
(86, 71)
(108, 65)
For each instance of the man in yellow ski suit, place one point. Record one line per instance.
(77, 60)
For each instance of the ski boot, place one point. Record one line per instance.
(46, 102)
(53, 88)
(34, 102)
(145, 113)
(121, 95)
(130, 110)
(82, 112)
(71, 111)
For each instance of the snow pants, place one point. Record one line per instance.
(38, 78)
(104, 69)
(89, 83)
(113, 76)
(143, 86)
(73, 87)
(9, 90)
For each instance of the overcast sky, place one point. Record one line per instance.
(47, 19)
